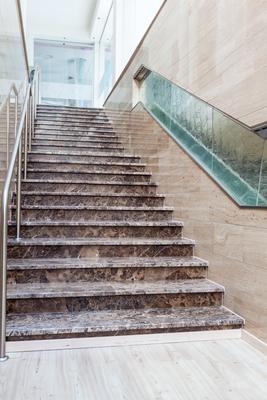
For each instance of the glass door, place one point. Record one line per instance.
(67, 72)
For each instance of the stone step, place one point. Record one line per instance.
(61, 229)
(69, 109)
(105, 269)
(83, 150)
(79, 131)
(78, 156)
(81, 146)
(75, 138)
(98, 296)
(89, 122)
(84, 166)
(99, 247)
(93, 213)
(84, 112)
(90, 187)
(72, 115)
(75, 126)
(73, 118)
(120, 322)
(87, 135)
(91, 176)
(91, 199)
(78, 143)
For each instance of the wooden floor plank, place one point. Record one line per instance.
(227, 369)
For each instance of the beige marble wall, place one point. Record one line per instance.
(233, 240)
(214, 48)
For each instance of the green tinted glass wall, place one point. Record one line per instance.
(233, 155)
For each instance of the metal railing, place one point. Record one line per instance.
(24, 132)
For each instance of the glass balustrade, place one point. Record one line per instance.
(233, 155)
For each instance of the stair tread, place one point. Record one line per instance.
(120, 321)
(103, 288)
(84, 139)
(108, 163)
(97, 208)
(76, 171)
(83, 153)
(101, 262)
(56, 107)
(99, 241)
(89, 194)
(89, 135)
(80, 145)
(76, 181)
(43, 222)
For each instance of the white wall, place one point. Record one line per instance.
(84, 20)
(57, 20)
(132, 19)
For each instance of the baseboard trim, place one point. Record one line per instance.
(254, 341)
(119, 341)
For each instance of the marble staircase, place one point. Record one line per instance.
(100, 253)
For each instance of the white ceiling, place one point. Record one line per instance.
(70, 19)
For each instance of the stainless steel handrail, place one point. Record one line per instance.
(23, 133)
(6, 104)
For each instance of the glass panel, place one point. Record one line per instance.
(67, 72)
(241, 152)
(263, 177)
(228, 151)
(105, 59)
(12, 61)
(12, 71)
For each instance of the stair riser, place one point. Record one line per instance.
(95, 215)
(105, 274)
(70, 110)
(83, 127)
(93, 231)
(93, 188)
(72, 114)
(83, 157)
(73, 119)
(45, 133)
(113, 302)
(129, 331)
(88, 168)
(89, 132)
(86, 251)
(87, 177)
(92, 201)
(72, 149)
(76, 138)
(77, 143)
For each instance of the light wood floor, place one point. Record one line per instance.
(210, 370)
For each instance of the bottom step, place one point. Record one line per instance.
(121, 322)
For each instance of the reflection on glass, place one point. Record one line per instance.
(12, 71)
(67, 72)
(232, 154)
(105, 59)
(12, 62)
